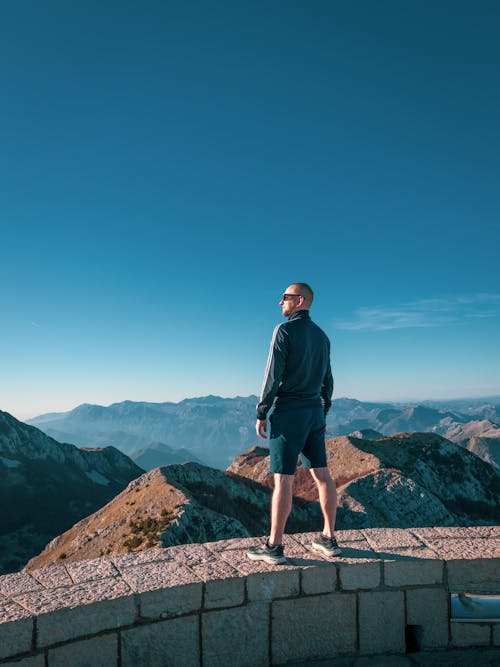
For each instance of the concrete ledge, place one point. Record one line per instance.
(208, 604)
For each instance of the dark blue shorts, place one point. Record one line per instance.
(297, 433)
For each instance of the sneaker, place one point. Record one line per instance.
(327, 545)
(273, 555)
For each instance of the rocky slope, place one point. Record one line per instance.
(45, 486)
(482, 437)
(175, 504)
(408, 479)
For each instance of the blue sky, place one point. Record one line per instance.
(168, 168)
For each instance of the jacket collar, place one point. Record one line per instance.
(300, 315)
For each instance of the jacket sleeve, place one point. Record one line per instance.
(274, 371)
(327, 388)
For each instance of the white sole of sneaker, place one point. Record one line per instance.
(326, 552)
(267, 559)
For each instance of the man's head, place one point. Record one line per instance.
(297, 296)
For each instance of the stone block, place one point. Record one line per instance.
(224, 586)
(317, 580)
(18, 583)
(470, 634)
(400, 573)
(382, 539)
(174, 643)
(16, 636)
(29, 661)
(70, 612)
(90, 570)
(496, 634)
(52, 576)
(381, 622)
(157, 576)
(95, 652)
(224, 593)
(170, 602)
(464, 572)
(383, 661)
(236, 636)
(467, 547)
(88, 619)
(273, 585)
(356, 576)
(428, 609)
(314, 627)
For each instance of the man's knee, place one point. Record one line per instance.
(283, 481)
(321, 475)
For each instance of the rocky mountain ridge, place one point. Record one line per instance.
(177, 504)
(47, 486)
(215, 430)
(403, 480)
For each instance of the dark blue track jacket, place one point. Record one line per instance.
(298, 372)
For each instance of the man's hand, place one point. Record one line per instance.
(261, 428)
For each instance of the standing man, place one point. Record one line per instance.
(298, 385)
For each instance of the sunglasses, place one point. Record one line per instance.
(287, 297)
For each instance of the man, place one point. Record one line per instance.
(298, 386)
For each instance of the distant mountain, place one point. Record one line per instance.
(158, 454)
(45, 486)
(212, 429)
(215, 430)
(403, 480)
(173, 505)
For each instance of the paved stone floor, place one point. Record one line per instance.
(477, 657)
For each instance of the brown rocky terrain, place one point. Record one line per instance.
(482, 437)
(408, 479)
(177, 504)
(45, 486)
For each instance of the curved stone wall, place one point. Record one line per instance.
(207, 604)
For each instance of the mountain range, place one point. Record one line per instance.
(403, 480)
(214, 430)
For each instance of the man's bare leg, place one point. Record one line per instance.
(281, 505)
(327, 498)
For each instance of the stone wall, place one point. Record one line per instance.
(208, 605)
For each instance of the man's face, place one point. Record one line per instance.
(291, 301)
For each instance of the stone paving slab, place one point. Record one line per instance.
(158, 575)
(410, 553)
(148, 556)
(52, 576)
(193, 555)
(90, 570)
(11, 611)
(46, 601)
(457, 532)
(214, 569)
(381, 539)
(465, 548)
(19, 582)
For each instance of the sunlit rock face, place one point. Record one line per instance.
(404, 480)
(173, 505)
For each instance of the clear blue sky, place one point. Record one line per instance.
(168, 168)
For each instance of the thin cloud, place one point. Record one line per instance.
(35, 324)
(424, 313)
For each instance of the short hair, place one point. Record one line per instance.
(306, 291)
